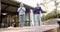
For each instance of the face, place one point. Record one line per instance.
(37, 5)
(21, 5)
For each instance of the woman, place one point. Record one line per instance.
(21, 11)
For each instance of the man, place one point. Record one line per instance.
(21, 11)
(37, 11)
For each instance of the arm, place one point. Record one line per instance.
(24, 9)
(18, 9)
(40, 9)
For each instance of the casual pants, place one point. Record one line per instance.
(37, 19)
(21, 20)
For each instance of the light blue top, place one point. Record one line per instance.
(21, 11)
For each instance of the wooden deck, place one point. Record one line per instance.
(30, 29)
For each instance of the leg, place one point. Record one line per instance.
(22, 20)
(40, 20)
(38, 17)
(36, 20)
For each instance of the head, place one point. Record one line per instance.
(37, 5)
(21, 4)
